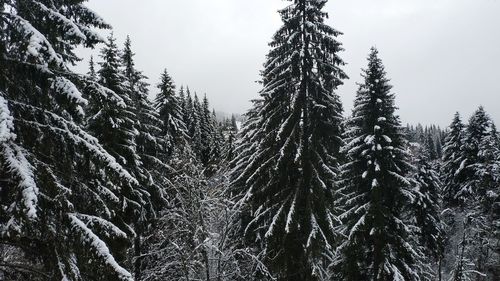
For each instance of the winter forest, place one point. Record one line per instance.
(99, 181)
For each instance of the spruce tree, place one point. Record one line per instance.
(453, 158)
(169, 108)
(182, 103)
(477, 130)
(62, 194)
(189, 113)
(207, 132)
(284, 176)
(430, 147)
(195, 131)
(426, 211)
(375, 187)
(92, 73)
(112, 116)
(151, 148)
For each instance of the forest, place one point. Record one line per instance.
(98, 181)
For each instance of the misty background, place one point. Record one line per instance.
(442, 55)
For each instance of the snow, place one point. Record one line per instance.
(356, 226)
(67, 87)
(273, 223)
(314, 230)
(99, 246)
(290, 214)
(6, 122)
(19, 165)
(38, 44)
(71, 28)
(387, 139)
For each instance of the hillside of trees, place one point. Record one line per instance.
(100, 182)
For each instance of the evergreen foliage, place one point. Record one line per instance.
(63, 196)
(375, 187)
(285, 175)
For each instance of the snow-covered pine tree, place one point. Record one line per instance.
(469, 234)
(195, 131)
(234, 124)
(152, 150)
(430, 147)
(62, 193)
(488, 173)
(476, 131)
(453, 157)
(488, 176)
(426, 211)
(182, 104)
(92, 73)
(285, 169)
(110, 121)
(189, 113)
(207, 132)
(167, 104)
(375, 187)
(218, 141)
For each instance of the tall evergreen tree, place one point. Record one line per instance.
(62, 195)
(426, 211)
(189, 113)
(151, 148)
(182, 103)
(110, 121)
(195, 131)
(375, 187)
(453, 157)
(169, 107)
(477, 130)
(92, 73)
(207, 131)
(430, 147)
(287, 182)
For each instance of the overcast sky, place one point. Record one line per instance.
(441, 55)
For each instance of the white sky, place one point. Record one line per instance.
(442, 55)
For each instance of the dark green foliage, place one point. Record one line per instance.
(285, 169)
(375, 188)
(64, 203)
(170, 112)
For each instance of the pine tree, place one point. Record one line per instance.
(476, 131)
(234, 124)
(218, 141)
(207, 131)
(375, 187)
(189, 114)
(182, 103)
(426, 210)
(488, 181)
(195, 130)
(152, 150)
(62, 194)
(430, 147)
(284, 179)
(112, 122)
(169, 107)
(453, 158)
(92, 73)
